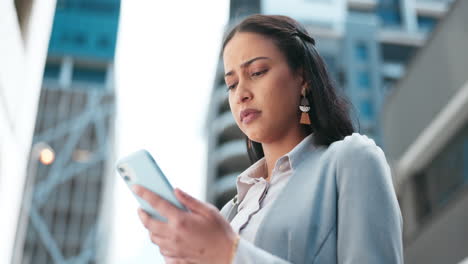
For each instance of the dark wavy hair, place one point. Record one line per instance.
(329, 111)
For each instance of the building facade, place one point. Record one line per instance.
(63, 212)
(425, 129)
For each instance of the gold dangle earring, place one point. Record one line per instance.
(304, 107)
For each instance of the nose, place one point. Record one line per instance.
(243, 94)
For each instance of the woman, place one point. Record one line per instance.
(315, 193)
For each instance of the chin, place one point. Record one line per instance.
(263, 136)
(255, 137)
(256, 132)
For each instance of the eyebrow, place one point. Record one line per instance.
(247, 63)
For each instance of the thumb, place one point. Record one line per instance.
(190, 202)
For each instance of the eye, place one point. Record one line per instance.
(229, 87)
(258, 73)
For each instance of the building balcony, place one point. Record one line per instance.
(222, 99)
(402, 37)
(362, 4)
(231, 157)
(226, 129)
(226, 184)
(323, 31)
(432, 8)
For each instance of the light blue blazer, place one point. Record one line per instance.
(339, 207)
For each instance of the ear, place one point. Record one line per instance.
(301, 80)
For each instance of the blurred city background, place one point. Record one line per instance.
(84, 82)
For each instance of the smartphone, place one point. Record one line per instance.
(140, 168)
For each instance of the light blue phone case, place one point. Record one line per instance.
(140, 168)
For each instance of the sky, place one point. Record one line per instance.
(166, 56)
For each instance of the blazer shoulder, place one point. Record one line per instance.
(352, 144)
(355, 149)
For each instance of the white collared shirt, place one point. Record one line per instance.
(256, 195)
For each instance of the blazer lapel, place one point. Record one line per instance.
(283, 213)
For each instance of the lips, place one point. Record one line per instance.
(248, 115)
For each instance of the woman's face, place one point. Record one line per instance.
(259, 78)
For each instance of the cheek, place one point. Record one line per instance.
(282, 111)
(282, 98)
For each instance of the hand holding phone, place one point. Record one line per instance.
(140, 168)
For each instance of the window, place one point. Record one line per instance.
(51, 70)
(389, 13)
(103, 42)
(364, 80)
(444, 177)
(90, 75)
(73, 38)
(80, 38)
(361, 52)
(426, 24)
(366, 109)
(396, 53)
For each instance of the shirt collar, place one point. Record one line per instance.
(249, 177)
(257, 171)
(296, 155)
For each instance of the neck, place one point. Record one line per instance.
(274, 150)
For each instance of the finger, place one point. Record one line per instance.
(191, 203)
(164, 249)
(167, 254)
(153, 225)
(172, 246)
(157, 202)
(176, 260)
(162, 242)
